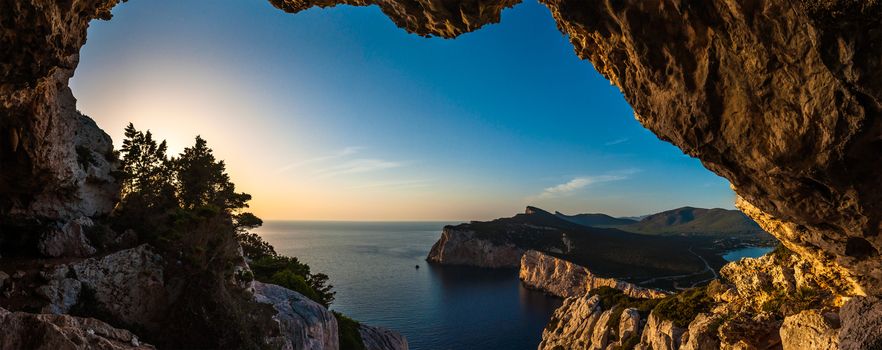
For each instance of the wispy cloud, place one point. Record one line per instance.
(394, 184)
(617, 141)
(358, 166)
(580, 182)
(348, 151)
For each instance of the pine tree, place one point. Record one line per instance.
(203, 181)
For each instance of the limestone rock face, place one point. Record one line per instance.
(379, 338)
(755, 281)
(62, 332)
(861, 324)
(701, 334)
(660, 334)
(67, 240)
(572, 325)
(56, 163)
(461, 247)
(629, 325)
(810, 330)
(565, 279)
(128, 285)
(303, 323)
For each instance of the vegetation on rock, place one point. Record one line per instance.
(188, 208)
(347, 331)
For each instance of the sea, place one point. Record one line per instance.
(381, 277)
(373, 268)
(746, 252)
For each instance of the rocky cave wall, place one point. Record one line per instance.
(55, 164)
(782, 98)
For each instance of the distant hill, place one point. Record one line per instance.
(696, 221)
(595, 220)
(609, 252)
(664, 250)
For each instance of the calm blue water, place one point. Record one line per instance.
(746, 252)
(371, 266)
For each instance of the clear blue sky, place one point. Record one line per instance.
(338, 114)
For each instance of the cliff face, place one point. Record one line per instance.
(565, 279)
(56, 163)
(777, 301)
(461, 247)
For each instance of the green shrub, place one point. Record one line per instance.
(275, 269)
(610, 297)
(682, 308)
(783, 304)
(347, 332)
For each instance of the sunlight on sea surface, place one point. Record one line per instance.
(372, 268)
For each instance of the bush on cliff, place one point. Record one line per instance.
(347, 332)
(681, 308)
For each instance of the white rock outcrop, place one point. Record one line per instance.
(565, 279)
(572, 325)
(303, 323)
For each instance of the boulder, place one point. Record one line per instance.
(810, 329)
(22, 330)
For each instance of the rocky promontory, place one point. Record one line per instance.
(458, 246)
(565, 279)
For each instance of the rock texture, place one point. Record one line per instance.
(461, 247)
(379, 338)
(565, 279)
(861, 324)
(62, 332)
(572, 325)
(127, 285)
(303, 323)
(660, 334)
(702, 333)
(56, 163)
(810, 330)
(754, 282)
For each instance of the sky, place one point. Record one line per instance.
(337, 114)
